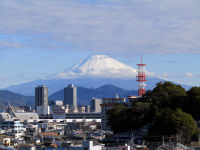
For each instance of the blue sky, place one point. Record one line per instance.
(42, 37)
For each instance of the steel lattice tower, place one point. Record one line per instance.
(141, 78)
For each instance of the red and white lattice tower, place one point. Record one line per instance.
(141, 78)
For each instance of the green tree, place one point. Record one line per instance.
(117, 118)
(194, 91)
(172, 123)
(146, 97)
(141, 106)
(139, 115)
(168, 89)
(191, 103)
(122, 119)
(165, 94)
(168, 106)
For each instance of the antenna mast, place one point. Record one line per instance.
(141, 78)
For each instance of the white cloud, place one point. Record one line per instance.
(163, 76)
(189, 74)
(121, 27)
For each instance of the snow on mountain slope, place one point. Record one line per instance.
(99, 66)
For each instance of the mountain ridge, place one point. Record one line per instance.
(84, 95)
(8, 97)
(94, 71)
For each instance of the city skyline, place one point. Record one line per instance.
(41, 38)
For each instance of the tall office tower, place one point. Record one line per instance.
(70, 96)
(41, 96)
(95, 105)
(87, 108)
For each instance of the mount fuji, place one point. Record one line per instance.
(99, 66)
(94, 71)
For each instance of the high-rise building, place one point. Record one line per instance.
(70, 96)
(95, 105)
(41, 96)
(87, 108)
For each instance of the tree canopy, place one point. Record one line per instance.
(194, 91)
(165, 91)
(122, 119)
(168, 107)
(172, 123)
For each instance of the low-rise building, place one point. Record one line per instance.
(132, 99)
(15, 126)
(45, 110)
(86, 145)
(81, 109)
(92, 116)
(56, 102)
(5, 140)
(59, 112)
(10, 115)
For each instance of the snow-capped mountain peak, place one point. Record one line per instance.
(94, 71)
(100, 66)
(97, 63)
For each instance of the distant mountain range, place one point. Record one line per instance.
(84, 95)
(7, 97)
(97, 76)
(92, 72)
